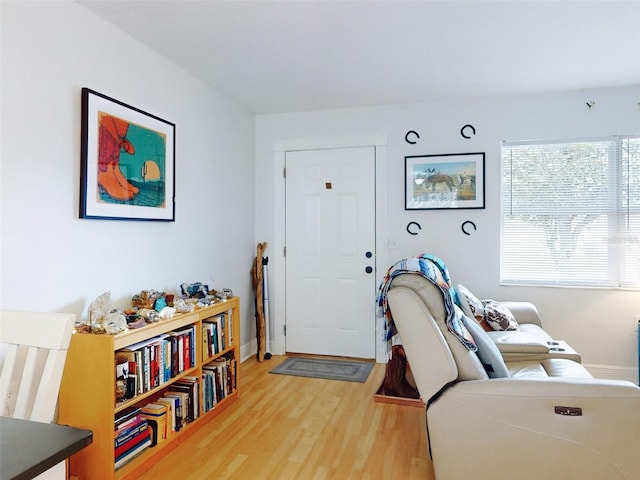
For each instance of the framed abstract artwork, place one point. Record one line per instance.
(127, 169)
(453, 180)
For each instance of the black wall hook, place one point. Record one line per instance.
(464, 224)
(411, 132)
(410, 224)
(467, 126)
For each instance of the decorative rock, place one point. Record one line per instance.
(194, 290)
(160, 304)
(98, 329)
(99, 309)
(115, 323)
(181, 306)
(83, 328)
(140, 322)
(166, 313)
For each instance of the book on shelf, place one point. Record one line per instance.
(131, 435)
(222, 339)
(182, 410)
(144, 360)
(156, 415)
(125, 458)
(122, 436)
(126, 417)
(171, 414)
(179, 416)
(132, 440)
(183, 349)
(216, 337)
(222, 370)
(153, 431)
(208, 390)
(151, 363)
(190, 386)
(209, 337)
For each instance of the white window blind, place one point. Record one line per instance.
(571, 212)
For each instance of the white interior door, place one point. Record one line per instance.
(330, 252)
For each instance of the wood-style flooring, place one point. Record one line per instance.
(285, 427)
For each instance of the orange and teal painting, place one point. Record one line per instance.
(131, 163)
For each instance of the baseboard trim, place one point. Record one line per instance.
(248, 350)
(613, 372)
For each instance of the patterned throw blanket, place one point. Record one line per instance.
(434, 270)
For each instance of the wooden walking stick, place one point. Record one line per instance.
(256, 279)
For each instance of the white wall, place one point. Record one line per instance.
(598, 323)
(53, 261)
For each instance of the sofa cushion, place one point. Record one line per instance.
(560, 367)
(550, 367)
(487, 352)
(533, 329)
(491, 315)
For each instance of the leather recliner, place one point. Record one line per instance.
(546, 419)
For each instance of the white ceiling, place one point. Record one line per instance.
(282, 56)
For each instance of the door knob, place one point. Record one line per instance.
(368, 254)
(369, 269)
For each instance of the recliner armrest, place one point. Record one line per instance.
(514, 341)
(524, 312)
(550, 387)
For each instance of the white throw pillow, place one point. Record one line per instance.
(472, 307)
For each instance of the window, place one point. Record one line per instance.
(571, 212)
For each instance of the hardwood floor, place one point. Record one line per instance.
(285, 427)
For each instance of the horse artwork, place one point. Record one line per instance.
(434, 178)
(444, 181)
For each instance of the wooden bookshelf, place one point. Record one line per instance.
(88, 393)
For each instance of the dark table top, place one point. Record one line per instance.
(29, 448)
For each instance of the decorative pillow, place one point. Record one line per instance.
(487, 352)
(489, 314)
(472, 307)
(498, 316)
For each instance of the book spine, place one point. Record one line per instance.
(128, 416)
(130, 455)
(133, 442)
(123, 435)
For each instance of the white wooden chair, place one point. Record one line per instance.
(33, 349)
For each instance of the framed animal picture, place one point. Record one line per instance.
(452, 180)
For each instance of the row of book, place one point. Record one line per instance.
(218, 380)
(148, 364)
(132, 436)
(139, 428)
(217, 334)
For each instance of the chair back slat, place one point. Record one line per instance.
(27, 385)
(34, 351)
(8, 388)
(45, 403)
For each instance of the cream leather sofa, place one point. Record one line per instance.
(545, 419)
(530, 341)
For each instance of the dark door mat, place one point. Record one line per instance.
(346, 370)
